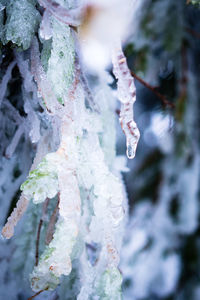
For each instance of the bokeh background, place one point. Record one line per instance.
(161, 256)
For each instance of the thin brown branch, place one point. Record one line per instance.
(76, 80)
(193, 32)
(164, 100)
(30, 298)
(88, 92)
(180, 103)
(44, 209)
(51, 225)
(84, 81)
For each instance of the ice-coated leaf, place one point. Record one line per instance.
(22, 21)
(42, 182)
(61, 62)
(109, 285)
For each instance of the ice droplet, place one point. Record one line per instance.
(130, 151)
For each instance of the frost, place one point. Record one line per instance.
(22, 21)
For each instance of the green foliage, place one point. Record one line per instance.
(195, 1)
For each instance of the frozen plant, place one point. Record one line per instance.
(75, 177)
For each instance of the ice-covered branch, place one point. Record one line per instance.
(12, 146)
(8, 229)
(5, 80)
(52, 222)
(12, 111)
(164, 100)
(44, 210)
(22, 204)
(78, 169)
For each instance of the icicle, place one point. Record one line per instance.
(70, 17)
(5, 80)
(126, 92)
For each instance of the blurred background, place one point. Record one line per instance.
(160, 258)
(161, 255)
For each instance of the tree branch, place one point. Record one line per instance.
(164, 100)
(30, 298)
(51, 225)
(45, 205)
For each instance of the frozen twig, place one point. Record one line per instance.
(23, 66)
(22, 204)
(36, 294)
(44, 210)
(153, 89)
(5, 80)
(13, 112)
(52, 222)
(40, 77)
(73, 88)
(88, 92)
(193, 32)
(126, 92)
(12, 146)
(8, 229)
